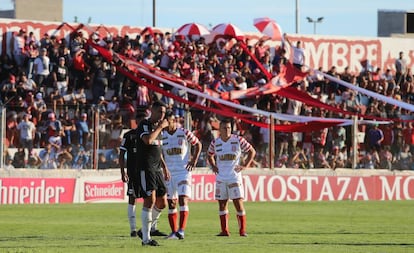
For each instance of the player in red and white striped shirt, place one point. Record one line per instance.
(176, 149)
(225, 155)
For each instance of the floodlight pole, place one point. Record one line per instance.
(153, 13)
(297, 16)
(314, 21)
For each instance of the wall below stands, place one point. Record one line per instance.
(28, 186)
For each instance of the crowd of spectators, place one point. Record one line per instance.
(50, 87)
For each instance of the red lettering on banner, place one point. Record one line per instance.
(329, 188)
(103, 191)
(36, 190)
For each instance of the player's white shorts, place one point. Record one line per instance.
(227, 190)
(179, 185)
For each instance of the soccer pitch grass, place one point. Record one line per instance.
(346, 226)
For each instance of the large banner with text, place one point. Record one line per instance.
(110, 189)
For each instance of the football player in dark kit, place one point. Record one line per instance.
(152, 170)
(129, 147)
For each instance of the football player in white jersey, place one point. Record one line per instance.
(180, 160)
(227, 160)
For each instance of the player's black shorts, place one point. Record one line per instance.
(132, 185)
(150, 181)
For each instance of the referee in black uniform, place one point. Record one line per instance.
(152, 170)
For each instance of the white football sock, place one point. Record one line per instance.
(156, 213)
(146, 223)
(132, 217)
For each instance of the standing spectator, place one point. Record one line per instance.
(375, 138)
(143, 98)
(32, 53)
(79, 69)
(82, 128)
(408, 133)
(19, 47)
(152, 170)
(41, 68)
(60, 76)
(298, 53)
(116, 128)
(104, 133)
(400, 68)
(224, 156)
(27, 130)
(177, 142)
(99, 82)
(179, 107)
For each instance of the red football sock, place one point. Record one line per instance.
(183, 219)
(242, 223)
(172, 219)
(224, 222)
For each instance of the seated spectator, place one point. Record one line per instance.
(34, 161)
(406, 161)
(81, 159)
(299, 159)
(103, 163)
(27, 84)
(47, 158)
(320, 160)
(116, 131)
(65, 158)
(40, 106)
(113, 157)
(371, 160)
(386, 158)
(19, 159)
(113, 107)
(336, 159)
(55, 142)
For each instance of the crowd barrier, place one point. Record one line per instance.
(28, 186)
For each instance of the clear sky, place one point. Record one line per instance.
(341, 17)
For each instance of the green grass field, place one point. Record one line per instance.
(273, 227)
